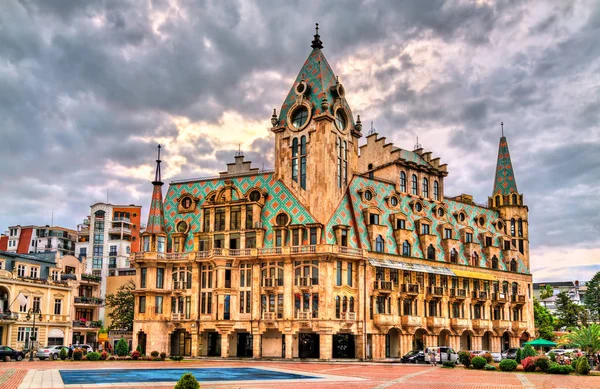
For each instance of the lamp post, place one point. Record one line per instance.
(31, 315)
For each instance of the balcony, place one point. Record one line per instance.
(88, 300)
(409, 289)
(382, 285)
(437, 322)
(87, 324)
(480, 324)
(306, 282)
(119, 230)
(411, 321)
(177, 316)
(271, 282)
(9, 317)
(303, 249)
(518, 298)
(479, 295)
(501, 325)
(304, 315)
(459, 324)
(435, 291)
(121, 219)
(519, 326)
(499, 297)
(269, 316)
(459, 294)
(91, 278)
(348, 316)
(385, 320)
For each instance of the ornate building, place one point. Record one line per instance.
(343, 251)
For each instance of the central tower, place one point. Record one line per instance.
(316, 137)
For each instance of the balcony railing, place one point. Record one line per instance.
(272, 282)
(87, 323)
(303, 249)
(90, 278)
(9, 316)
(480, 295)
(499, 297)
(304, 315)
(118, 230)
(382, 285)
(177, 316)
(518, 298)
(410, 288)
(306, 281)
(89, 300)
(349, 316)
(458, 293)
(269, 315)
(435, 291)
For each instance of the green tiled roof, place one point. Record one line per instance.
(505, 182)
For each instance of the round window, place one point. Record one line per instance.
(368, 195)
(300, 117)
(301, 88)
(481, 221)
(394, 201)
(254, 195)
(340, 119)
(418, 207)
(182, 226)
(500, 225)
(441, 212)
(461, 217)
(282, 219)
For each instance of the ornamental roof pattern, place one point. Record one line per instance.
(156, 215)
(320, 79)
(504, 182)
(411, 156)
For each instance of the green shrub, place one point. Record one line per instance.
(464, 357)
(92, 356)
(77, 354)
(508, 365)
(157, 359)
(163, 356)
(176, 357)
(488, 357)
(139, 348)
(583, 366)
(63, 354)
(528, 364)
(187, 381)
(543, 363)
(122, 348)
(489, 367)
(528, 351)
(448, 364)
(478, 362)
(154, 354)
(552, 356)
(518, 357)
(555, 368)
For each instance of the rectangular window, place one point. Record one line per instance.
(55, 275)
(219, 219)
(488, 240)
(159, 304)
(373, 218)
(249, 217)
(400, 224)
(37, 304)
(295, 237)
(112, 251)
(24, 334)
(142, 305)
(57, 306)
(33, 272)
(344, 234)
(447, 233)
(278, 238)
(21, 270)
(206, 302)
(349, 274)
(338, 274)
(98, 251)
(160, 277)
(468, 237)
(206, 220)
(425, 229)
(313, 235)
(250, 240)
(160, 244)
(144, 273)
(235, 218)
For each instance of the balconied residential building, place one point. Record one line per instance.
(41, 239)
(340, 252)
(107, 238)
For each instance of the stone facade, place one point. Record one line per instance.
(335, 253)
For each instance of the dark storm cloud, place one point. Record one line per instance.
(87, 85)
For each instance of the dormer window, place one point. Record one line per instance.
(488, 241)
(418, 207)
(282, 220)
(436, 191)
(394, 201)
(513, 265)
(299, 117)
(475, 259)
(461, 216)
(469, 237)
(447, 233)
(254, 195)
(340, 119)
(400, 224)
(481, 221)
(368, 195)
(441, 212)
(425, 229)
(406, 249)
(373, 218)
(507, 245)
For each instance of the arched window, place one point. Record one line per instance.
(415, 186)
(338, 146)
(436, 191)
(430, 252)
(474, 259)
(402, 182)
(515, 199)
(342, 166)
(345, 304)
(505, 287)
(497, 200)
(379, 244)
(370, 167)
(494, 262)
(425, 187)
(303, 162)
(351, 306)
(337, 307)
(453, 256)
(406, 249)
(295, 160)
(515, 288)
(520, 224)
(513, 265)
(512, 227)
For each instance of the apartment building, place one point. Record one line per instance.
(40, 239)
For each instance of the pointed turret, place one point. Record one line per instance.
(504, 182)
(155, 234)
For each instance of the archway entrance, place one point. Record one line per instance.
(524, 338)
(308, 345)
(343, 346)
(505, 341)
(181, 343)
(486, 341)
(466, 340)
(419, 339)
(141, 340)
(444, 338)
(392, 341)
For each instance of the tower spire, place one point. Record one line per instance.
(157, 178)
(156, 215)
(316, 43)
(504, 181)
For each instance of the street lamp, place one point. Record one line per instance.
(31, 315)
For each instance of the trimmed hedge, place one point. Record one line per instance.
(489, 367)
(163, 356)
(478, 362)
(135, 355)
(92, 356)
(187, 381)
(448, 364)
(583, 366)
(555, 368)
(77, 354)
(63, 353)
(508, 365)
(542, 363)
(176, 357)
(464, 357)
(122, 349)
(154, 354)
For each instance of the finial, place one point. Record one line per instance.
(158, 159)
(274, 120)
(502, 127)
(157, 178)
(337, 79)
(316, 43)
(372, 130)
(417, 145)
(358, 125)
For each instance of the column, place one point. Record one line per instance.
(326, 345)
(224, 345)
(289, 344)
(256, 345)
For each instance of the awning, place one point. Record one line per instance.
(56, 333)
(411, 266)
(474, 274)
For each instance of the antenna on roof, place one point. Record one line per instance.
(372, 130)
(52, 219)
(239, 152)
(502, 127)
(417, 145)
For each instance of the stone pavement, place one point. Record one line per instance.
(340, 375)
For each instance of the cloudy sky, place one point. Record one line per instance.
(88, 88)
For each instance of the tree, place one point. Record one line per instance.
(122, 348)
(544, 322)
(568, 313)
(122, 307)
(546, 292)
(585, 338)
(592, 296)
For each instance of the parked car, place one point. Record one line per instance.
(510, 353)
(50, 352)
(478, 353)
(443, 354)
(6, 351)
(556, 351)
(414, 356)
(497, 357)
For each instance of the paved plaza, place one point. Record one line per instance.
(46, 374)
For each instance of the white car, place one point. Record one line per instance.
(478, 353)
(50, 352)
(556, 351)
